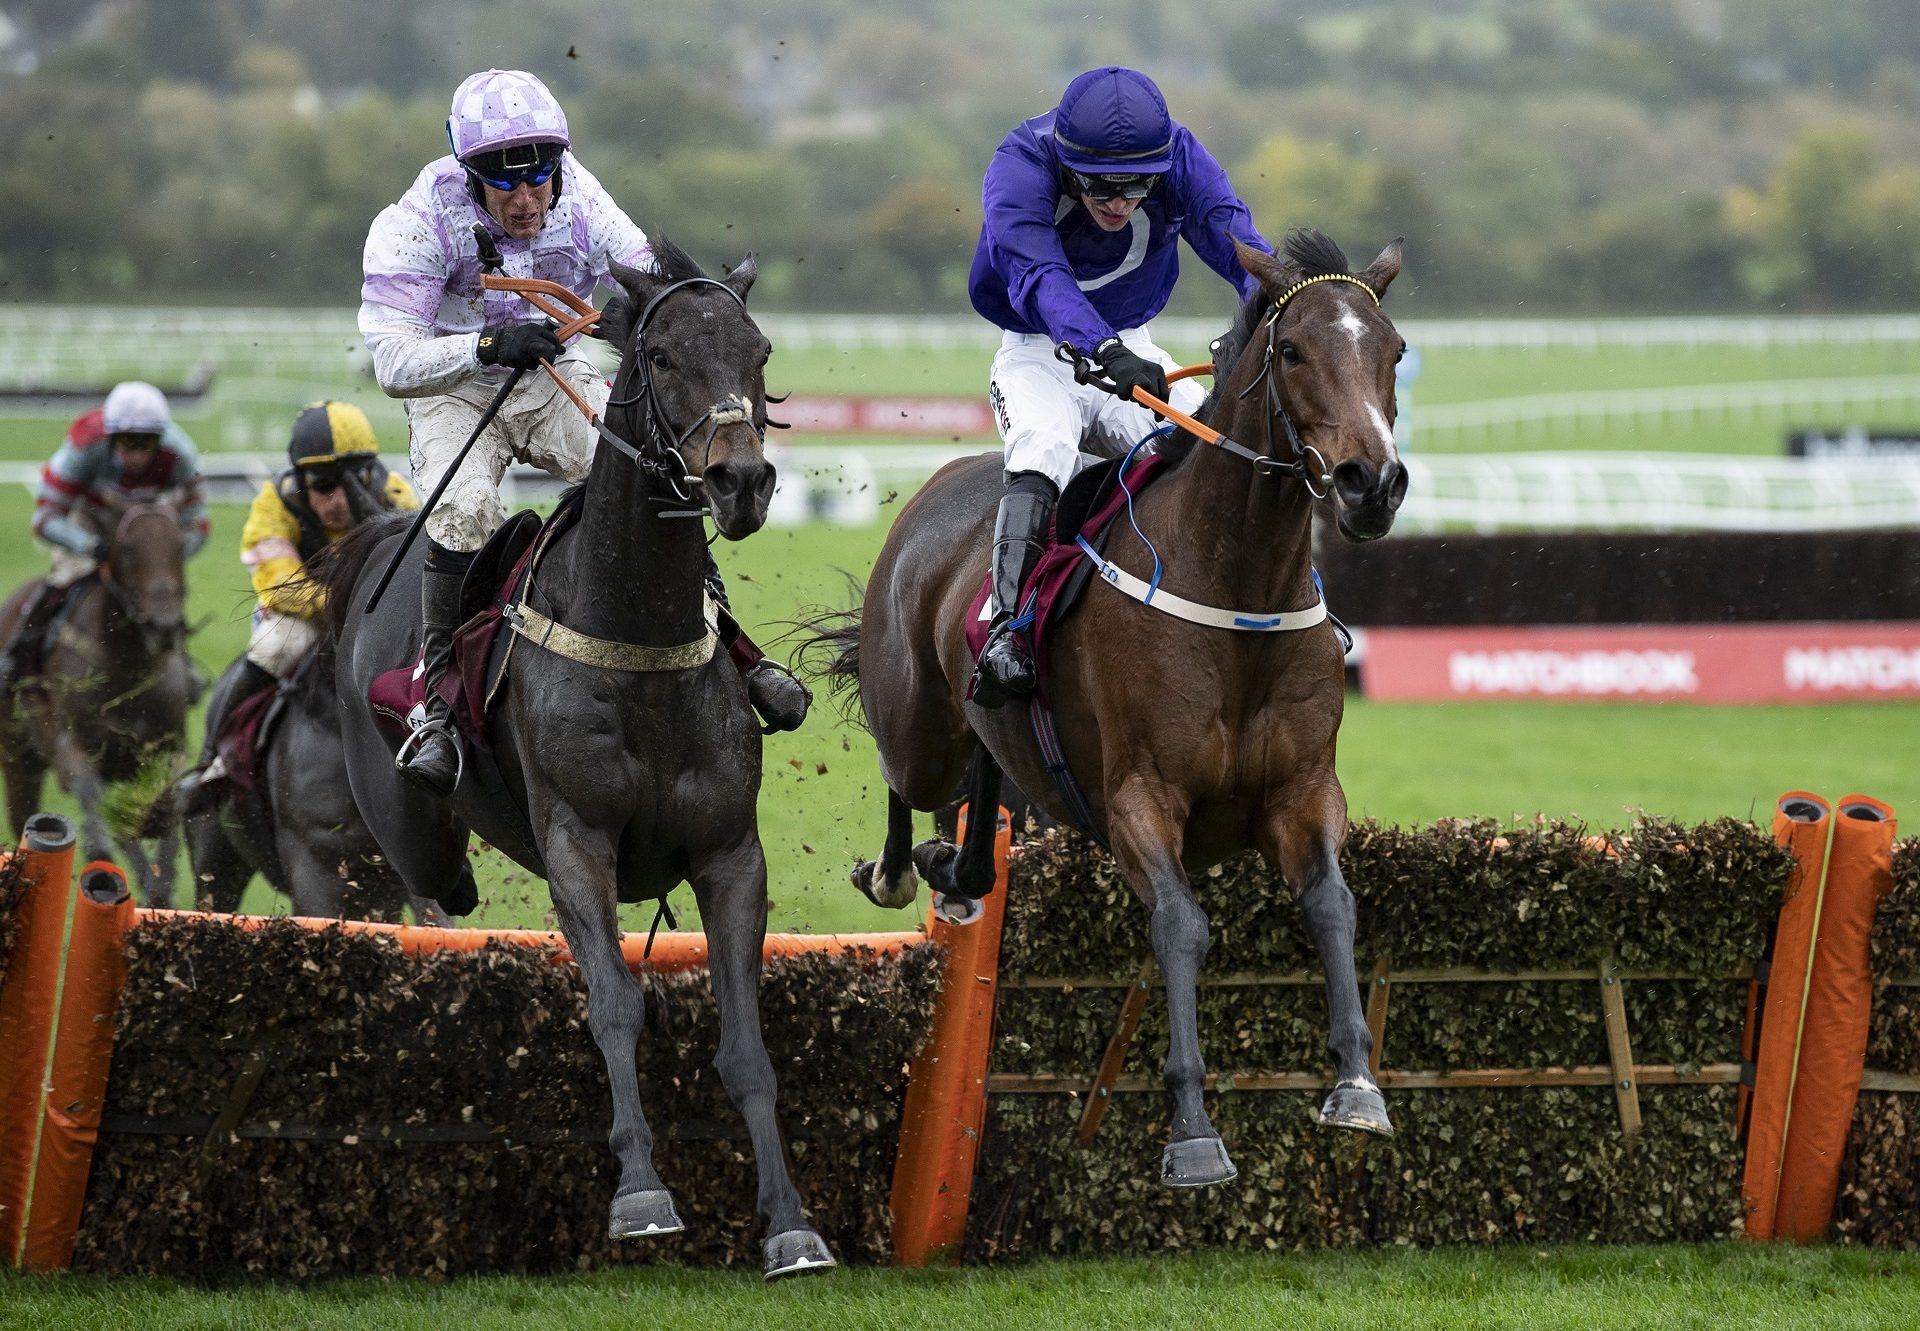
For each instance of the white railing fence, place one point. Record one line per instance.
(1479, 492)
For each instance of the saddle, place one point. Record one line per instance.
(480, 647)
(1086, 511)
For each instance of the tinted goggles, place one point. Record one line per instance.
(1112, 187)
(529, 164)
(324, 478)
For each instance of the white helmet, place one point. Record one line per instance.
(503, 108)
(135, 408)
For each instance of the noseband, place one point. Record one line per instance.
(1266, 462)
(659, 452)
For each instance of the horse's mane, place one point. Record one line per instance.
(335, 569)
(670, 264)
(1310, 251)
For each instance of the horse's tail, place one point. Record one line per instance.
(336, 569)
(829, 654)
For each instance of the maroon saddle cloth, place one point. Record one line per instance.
(1093, 500)
(398, 697)
(243, 737)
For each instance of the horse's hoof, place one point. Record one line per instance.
(896, 895)
(1358, 1105)
(795, 1251)
(639, 1215)
(957, 910)
(934, 861)
(1198, 1162)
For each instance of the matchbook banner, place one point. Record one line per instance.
(955, 417)
(1700, 662)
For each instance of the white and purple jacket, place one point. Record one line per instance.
(421, 303)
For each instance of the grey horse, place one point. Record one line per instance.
(620, 781)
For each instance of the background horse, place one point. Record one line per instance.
(112, 696)
(1190, 742)
(623, 781)
(298, 828)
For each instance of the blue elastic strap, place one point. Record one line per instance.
(1153, 583)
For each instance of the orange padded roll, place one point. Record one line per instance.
(1839, 1002)
(1800, 823)
(82, 1055)
(946, 1107)
(27, 1014)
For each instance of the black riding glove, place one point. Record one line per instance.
(1129, 371)
(521, 347)
(101, 549)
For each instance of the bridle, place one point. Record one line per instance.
(1267, 463)
(659, 451)
(1308, 464)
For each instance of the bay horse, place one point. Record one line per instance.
(1190, 742)
(113, 692)
(298, 828)
(624, 781)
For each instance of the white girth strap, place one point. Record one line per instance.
(1246, 621)
(537, 629)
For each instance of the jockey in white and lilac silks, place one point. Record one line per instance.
(128, 450)
(446, 345)
(1083, 208)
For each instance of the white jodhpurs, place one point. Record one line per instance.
(1054, 426)
(280, 642)
(538, 425)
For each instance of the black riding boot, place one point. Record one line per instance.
(431, 756)
(240, 681)
(21, 656)
(1005, 669)
(780, 699)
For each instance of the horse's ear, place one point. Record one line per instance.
(616, 320)
(1384, 268)
(1273, 274)
(740, 280)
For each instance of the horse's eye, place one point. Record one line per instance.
(1289, 353)
(660, 361)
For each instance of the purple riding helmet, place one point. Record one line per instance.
(1113, 121)
(505, 128)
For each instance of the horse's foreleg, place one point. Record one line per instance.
(1147, 833)
(732, 891)
(890, 881)
(580, 867)
(78, 777)
(1302, 837)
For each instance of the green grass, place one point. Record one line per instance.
(822, 806)
(1722, 1287)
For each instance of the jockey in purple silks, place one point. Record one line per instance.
(1083, 208)
(443, 343)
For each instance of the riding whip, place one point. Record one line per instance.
(490, 260)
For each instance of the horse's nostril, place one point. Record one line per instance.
(1353, 481)
(1396, 486)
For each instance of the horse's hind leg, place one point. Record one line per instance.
(1147, 836)
(1302, 837)
(580, 867)
(26, 776)
(732, 891)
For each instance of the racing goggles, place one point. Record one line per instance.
(1106, 187)
(530, 164)
(326, 477)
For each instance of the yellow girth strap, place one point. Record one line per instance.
(537, 629)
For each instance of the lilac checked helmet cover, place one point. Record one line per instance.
(503, 108)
